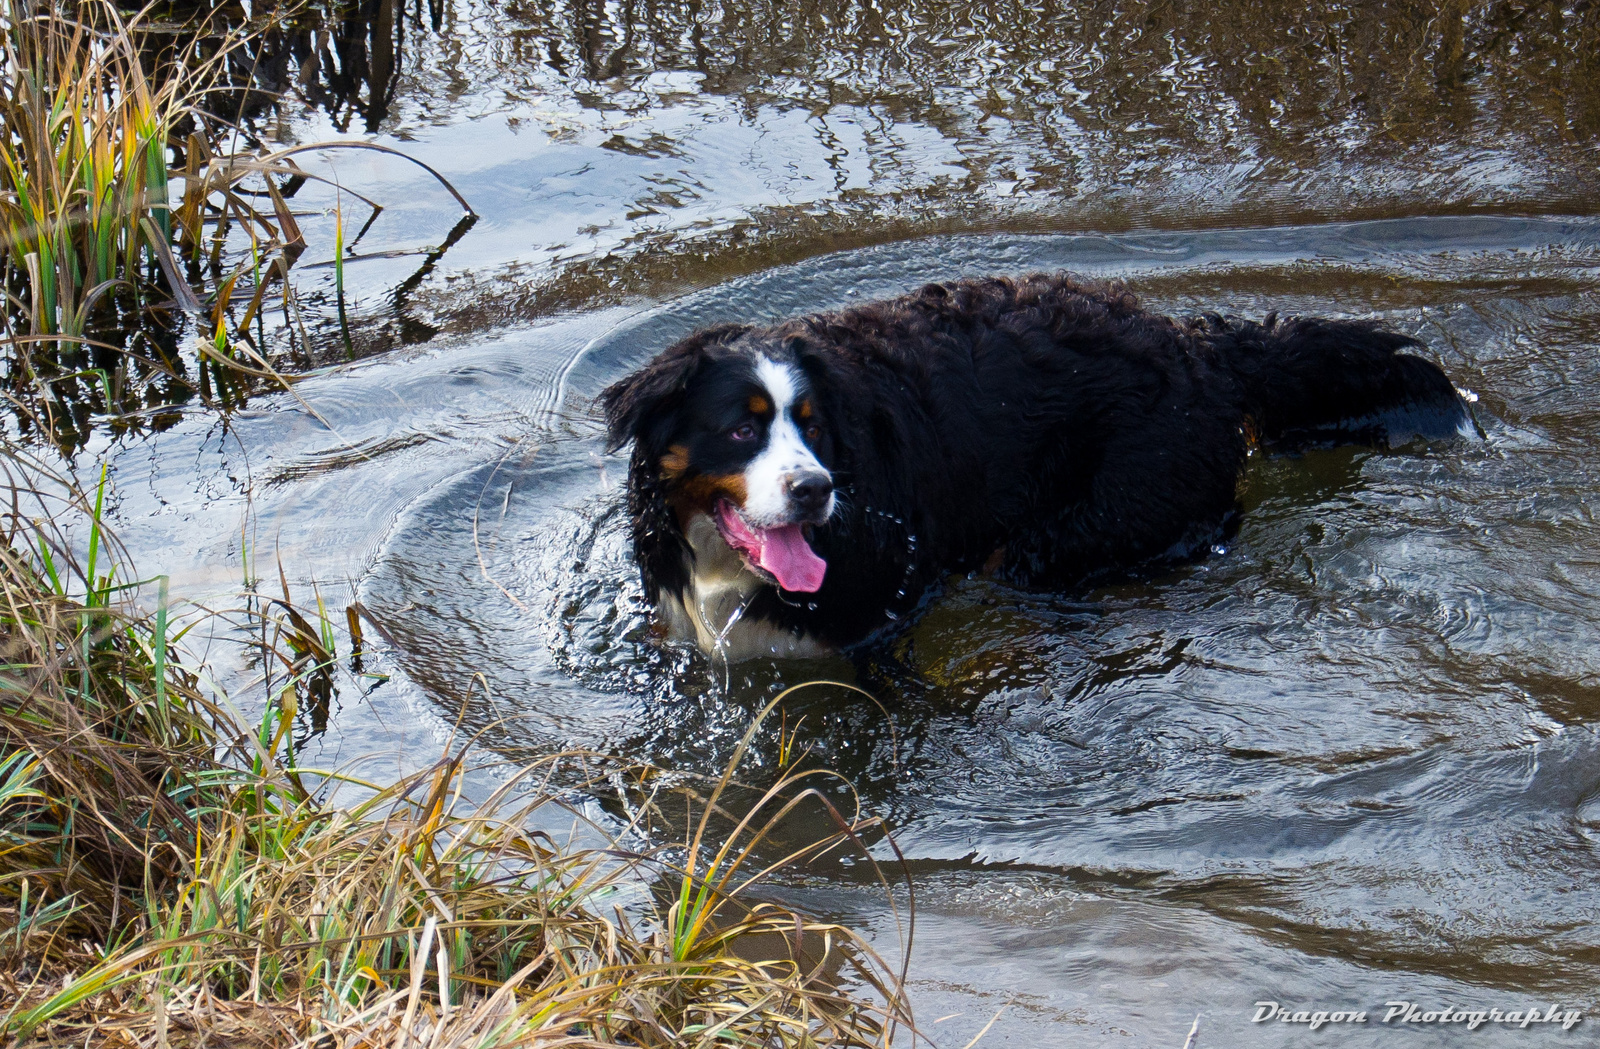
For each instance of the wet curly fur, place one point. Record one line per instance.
(1051, 431)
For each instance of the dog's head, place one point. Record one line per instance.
(728, 425)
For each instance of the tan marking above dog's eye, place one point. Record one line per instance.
(676, 461)
(803, 409)
(759, 405)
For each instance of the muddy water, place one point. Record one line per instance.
(1351, 759)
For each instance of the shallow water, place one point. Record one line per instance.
(1352, 758)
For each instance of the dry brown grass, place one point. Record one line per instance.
(168, 876)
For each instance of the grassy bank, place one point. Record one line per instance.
(168, 875)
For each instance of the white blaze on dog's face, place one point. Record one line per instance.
(786, 465)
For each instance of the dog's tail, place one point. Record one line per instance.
(1309, 379)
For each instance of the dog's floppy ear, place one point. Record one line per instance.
(649, 394)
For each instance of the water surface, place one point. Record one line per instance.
(1352, 758)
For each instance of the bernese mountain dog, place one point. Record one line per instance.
(804, 487)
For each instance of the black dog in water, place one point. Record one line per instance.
(798, 488)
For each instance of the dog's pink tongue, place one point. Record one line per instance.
(784, 552)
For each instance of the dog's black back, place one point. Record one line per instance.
(1052, 431)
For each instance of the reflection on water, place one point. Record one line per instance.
(1354, 758)
(627, 149)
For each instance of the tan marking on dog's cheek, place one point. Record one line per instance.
(1252, 435)
(675, 462)
(759, 405)
(702, 492)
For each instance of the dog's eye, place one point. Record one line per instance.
(743, 432)
(813, 432)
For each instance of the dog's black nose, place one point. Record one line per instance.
(809, 491)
